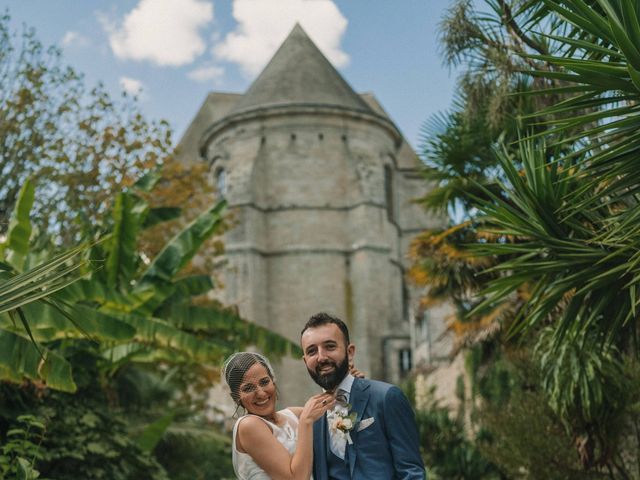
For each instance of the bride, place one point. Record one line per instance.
(270, 444)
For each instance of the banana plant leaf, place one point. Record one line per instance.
(163, 335)
(53, 321)
(182, 248)
(129, 212)
(20, 358)
(19, 232)
(162, 271)
(152, 433)
(161, 214)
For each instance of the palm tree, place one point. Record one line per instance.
(557, 219)
(573, 211)
(459, 151)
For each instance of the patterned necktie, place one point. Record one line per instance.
(337, 442)
(341, 397)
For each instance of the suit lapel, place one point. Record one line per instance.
(358, 398)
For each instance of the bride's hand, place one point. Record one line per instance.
(316, 406)
(355, 372)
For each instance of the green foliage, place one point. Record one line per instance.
(527, 440)
(195, 453)
(20, 355)
(87, 440)
(83, 145)
(138, 312)
(582, 381)
(21, 448)
(562, 257)
(523, 435)
(86, 435)
(447, 447)
(555, 216)
(153, 433)
(599, 61)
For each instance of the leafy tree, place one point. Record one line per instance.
(459, 148)
(578, 250)
(556, 220)
(521, 433)
(82, 144)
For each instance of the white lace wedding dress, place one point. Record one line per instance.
(243, 464)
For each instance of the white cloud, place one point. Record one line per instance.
(166, 32)
(74, 38)
(206, 73)
(131, 85)
(264, 24)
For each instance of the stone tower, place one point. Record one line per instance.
(321, 185)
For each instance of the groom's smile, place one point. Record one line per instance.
(326, 355)
(327, 368)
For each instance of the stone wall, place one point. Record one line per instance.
(313, 232)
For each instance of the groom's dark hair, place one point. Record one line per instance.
(322, 318)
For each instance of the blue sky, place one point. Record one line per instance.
(173, 52)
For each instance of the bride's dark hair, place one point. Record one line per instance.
(237, 365)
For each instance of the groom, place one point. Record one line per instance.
(373, 434)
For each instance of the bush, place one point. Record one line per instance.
(447, 448)
(194, 454)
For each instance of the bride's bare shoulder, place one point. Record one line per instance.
(252, 430)
(251, 423)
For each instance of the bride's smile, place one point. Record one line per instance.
(258, 392)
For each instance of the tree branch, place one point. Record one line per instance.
(514, 29)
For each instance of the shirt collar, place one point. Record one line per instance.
(346, 383)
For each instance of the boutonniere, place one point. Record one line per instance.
(341, 422)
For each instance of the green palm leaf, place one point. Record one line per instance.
(605, 59)
(42, 281)
(556, 253)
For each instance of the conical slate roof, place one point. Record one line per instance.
(299, 73)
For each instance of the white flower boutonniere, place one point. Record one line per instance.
(341, 422)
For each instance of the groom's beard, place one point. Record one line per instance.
(331, 380)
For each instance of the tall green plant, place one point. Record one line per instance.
(136, 311)
(570, 217)
(20, 355)
(559, 223)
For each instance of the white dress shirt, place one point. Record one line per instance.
(338, 443)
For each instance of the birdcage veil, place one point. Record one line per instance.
(235, 367)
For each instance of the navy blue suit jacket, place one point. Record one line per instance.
(388, 448)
